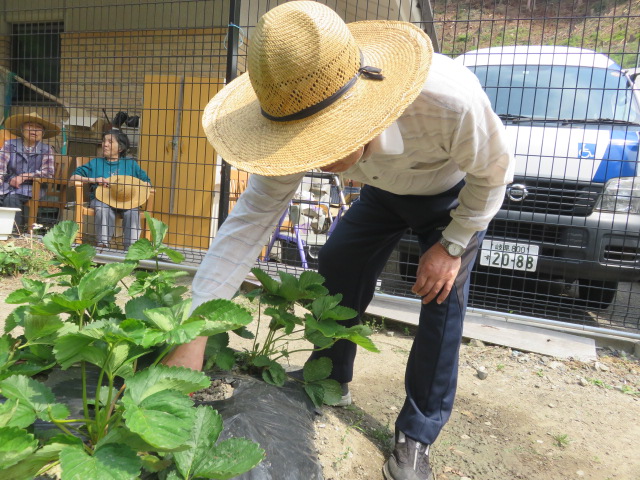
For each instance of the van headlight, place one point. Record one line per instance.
(621, 195)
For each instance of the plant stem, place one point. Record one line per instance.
(85, 403)
(163, 354)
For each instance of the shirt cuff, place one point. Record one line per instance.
(458, 234)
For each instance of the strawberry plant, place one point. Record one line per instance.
(315, 328)
(137, 420)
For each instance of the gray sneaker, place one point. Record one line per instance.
(345, 401)
(409, 461)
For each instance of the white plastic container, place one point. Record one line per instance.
(7, 217)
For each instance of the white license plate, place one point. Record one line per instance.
(511, 255)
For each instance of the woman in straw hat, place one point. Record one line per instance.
(372, 101)
(118, 186)
(25, 158)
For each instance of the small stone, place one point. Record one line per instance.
(393, 408)
(583, 381)
(475, 394)
(580, 473)
(488, 424)
(390, 333)
(474, 342)
(539, 441)
(322, 425)
(636, 350)
(492, 436)
(555, 365)
(482, 373)
(552, 405)
(600, 367)
(465, 437)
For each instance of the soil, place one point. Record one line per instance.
(533, 417)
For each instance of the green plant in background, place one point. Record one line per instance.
(318, 327)
(15, 259)
(561, 440)
(135, 421)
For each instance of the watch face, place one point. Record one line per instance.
(455, 249)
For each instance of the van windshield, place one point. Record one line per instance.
(558, 92)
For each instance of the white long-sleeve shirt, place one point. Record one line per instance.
(447, 134)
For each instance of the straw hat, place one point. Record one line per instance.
(310, 96)
(14, 124)
(124, 192)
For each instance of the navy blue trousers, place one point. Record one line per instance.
(351, 261)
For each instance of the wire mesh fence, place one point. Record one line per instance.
(566, 243)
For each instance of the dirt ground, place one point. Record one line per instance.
(533, 417)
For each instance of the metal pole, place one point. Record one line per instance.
(232, 69)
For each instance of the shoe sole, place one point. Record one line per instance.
(385, 471)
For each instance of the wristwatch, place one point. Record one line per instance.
(452, 249)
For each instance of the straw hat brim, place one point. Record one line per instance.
(136, 192)
(14, 124)
(247, 140)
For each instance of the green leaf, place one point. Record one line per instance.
(75, 347)
(136, 306)
(41, 326)
(309, 278)
(164, 419)
(124, 436)
(331, 391)
(175, 256)
(140, 250)
(315, 392)
(32, 294)
(265, 279)
(222, 316)
(111, 462)
(100, 281)
(318, 369)
(274, 374)
(15, 445)
(59, 239)
(15, 318)
(206, 430)
(68, 300)
(226, 359)
(28, 391)
(161, 377)
(15, 414)
(151, 463)
(157, 228)
(28, 468)
(231, 458)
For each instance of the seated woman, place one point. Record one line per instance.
(99, 172)
(23, 159)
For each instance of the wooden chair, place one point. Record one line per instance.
(56, 194)
(82, 208)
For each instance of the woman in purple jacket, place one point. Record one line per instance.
(23, 159)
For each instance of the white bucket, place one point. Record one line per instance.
(7, 217)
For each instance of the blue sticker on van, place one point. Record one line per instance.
(621, 157)
(586, 150)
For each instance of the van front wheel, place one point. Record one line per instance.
(598, 294)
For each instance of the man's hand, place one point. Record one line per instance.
(437, 271)
(102, 181)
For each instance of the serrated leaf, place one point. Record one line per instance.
(231, 458)
(15, 414)
(40, 326)
(174, 255)
(100, 281)
(30, 466)
(265, 279)
(15, 318)
(15, 444)
(59, 239)
(28, 391)
(332, 391)
(315, 392)
(221, 316)
(111, 462)
(157, 228)
(135, 307)
(317, 369)
(164, 419)
(226, 359)
(206, 430)
(124, 436)
(161, 377)
(274, 374)
(151, 463)
(142, 249)
(310, 278)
